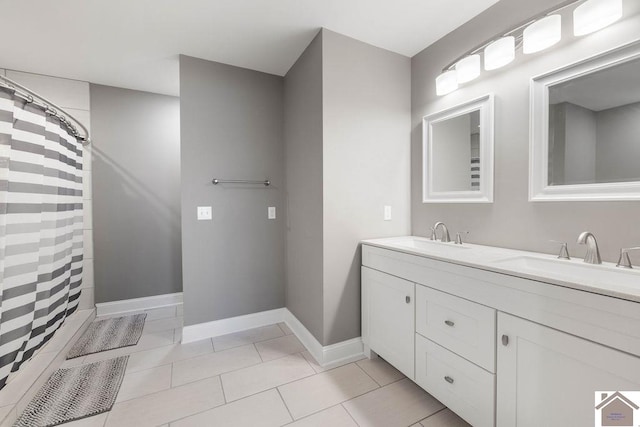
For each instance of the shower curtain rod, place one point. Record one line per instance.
(48, 106)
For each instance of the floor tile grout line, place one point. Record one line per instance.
(161, 391)
(279, 385)
(365, 372)
(222, 373)
(105, 418)
(279, 338)
(316, 413)
(339, 403)
(248, 366)
(437, 412)
(262, 391)
(192, 415)
(248, 343)
(349, 413)
(222, 384)
(157, 348)
(224, 395)
(198, 412)
(171, 377)
(131, 346)
(258, 351)
(285, 404)
(154, 392)
(370, 376)
(109, 414)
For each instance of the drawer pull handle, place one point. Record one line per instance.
(448, 379)
(407, 299)
(449, 323)
(505, 340)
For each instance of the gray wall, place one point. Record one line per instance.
(366, 157)
(572, 142)
(618, 148)
(347, 128)
(231, 127)
(511, 221)
(136, 193)
(303, 154)
(451, 152)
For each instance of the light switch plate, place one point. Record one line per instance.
(204, 213)
(387, 213)
(271, 212)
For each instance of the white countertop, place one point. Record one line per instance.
(605, 279)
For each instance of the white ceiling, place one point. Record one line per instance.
(135, 43)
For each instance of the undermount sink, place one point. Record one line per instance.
(431, 246)
(575, 270)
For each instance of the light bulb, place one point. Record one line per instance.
(499, 53)
(468, 68)
(594, 15)
(542, 34)
(446, 83)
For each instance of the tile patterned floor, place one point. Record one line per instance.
(260, 377)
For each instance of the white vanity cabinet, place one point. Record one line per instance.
(549, 378)
(463, 327)
(455, 353)
(388, 308)
(496, 348)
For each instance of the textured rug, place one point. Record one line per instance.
(74, 393)
(108, 334)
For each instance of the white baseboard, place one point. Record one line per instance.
(326, 356)
(342, 352)
(138, 304)
(230, 325)
(306, 338)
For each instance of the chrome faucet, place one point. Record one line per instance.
(564, 252)
(445, 232)
(593, 254)
(624, 261)
(459, 236)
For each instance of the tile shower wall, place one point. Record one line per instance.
(72, 96)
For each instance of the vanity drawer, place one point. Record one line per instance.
(466, 328)
(465, 388)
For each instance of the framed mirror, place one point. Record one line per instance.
(457, 151)
(584, 137)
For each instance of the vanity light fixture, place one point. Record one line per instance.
(535, 34)
(468, 68)
(446, 83)
(542, 34)
(594, 15)
(499, 53)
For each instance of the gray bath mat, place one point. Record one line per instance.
(108, 334)
(74, 393)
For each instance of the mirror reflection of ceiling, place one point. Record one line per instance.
(602, 90)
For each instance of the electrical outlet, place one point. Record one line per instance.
(271, 212)
(387, 213)
(204, 213)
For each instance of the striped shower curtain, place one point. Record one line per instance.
(40, 228)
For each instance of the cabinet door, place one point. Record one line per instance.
(549, 378)
(388, 318)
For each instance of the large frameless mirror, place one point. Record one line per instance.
(585, 130)
(458, 153)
